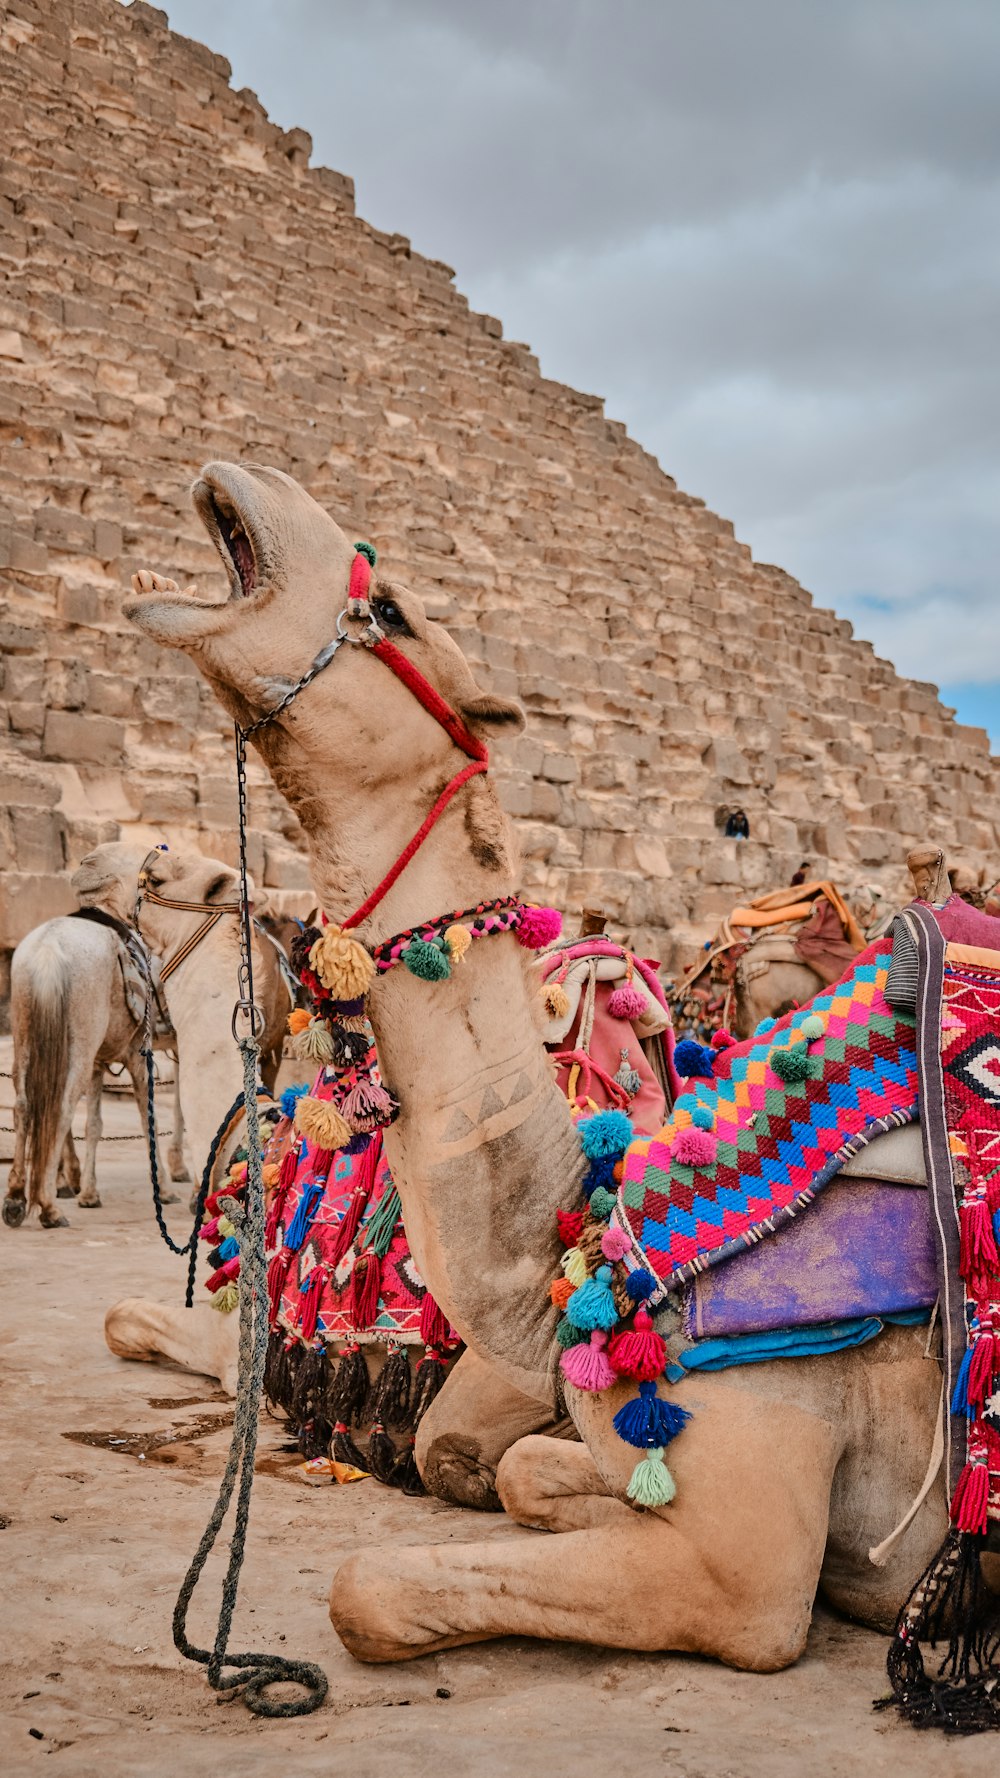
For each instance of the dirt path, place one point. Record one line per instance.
(96, 1537)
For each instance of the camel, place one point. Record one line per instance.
(200, 994)
(790, 1470)
(72, 1017)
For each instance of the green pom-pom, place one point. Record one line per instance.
(652, 1483)
(226, 1299)
(427, 961)
(602, 1203)
(793, 1064)
(567, 1334)
(367, 550)
(812, 1027)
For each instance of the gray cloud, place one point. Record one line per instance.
(766, 233)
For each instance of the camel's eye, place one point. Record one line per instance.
(390, 616)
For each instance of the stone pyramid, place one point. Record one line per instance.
(181, 284)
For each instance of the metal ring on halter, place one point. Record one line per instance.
(369, 635)
(253, 1013)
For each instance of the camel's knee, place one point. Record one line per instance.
(453, 1467)
(518, 1480)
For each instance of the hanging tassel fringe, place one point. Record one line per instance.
(347, 1388)
(389, 1401)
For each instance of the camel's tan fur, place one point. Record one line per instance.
(788, 1471)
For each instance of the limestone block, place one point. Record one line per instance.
(26, 899)
(37, 840)
(70, 735)
(31, 785)
(725, 760)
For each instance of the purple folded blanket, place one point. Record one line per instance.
(864, 1247)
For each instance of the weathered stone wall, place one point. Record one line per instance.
(181, 284)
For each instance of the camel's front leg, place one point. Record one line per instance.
(729, 1570)
(200, 1338)
(175, 1153)
(468, 1428)
(89, 1198)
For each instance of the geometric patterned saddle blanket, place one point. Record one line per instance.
(746, 1152)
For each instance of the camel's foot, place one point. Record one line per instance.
(177, 1169)
(66, 1190)
(93, 1203)
(14, 1212)
(193, 1200)
(51, 1219)
(467, 1429)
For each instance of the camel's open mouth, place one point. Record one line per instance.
(232, 534)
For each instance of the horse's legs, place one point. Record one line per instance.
(469, 1426)
(69, 1170)
(89, 1196)
(15, 1203)
(175, 1153)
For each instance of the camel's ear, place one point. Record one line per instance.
(489, 712)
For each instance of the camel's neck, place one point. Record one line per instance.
(200, 996)
(484, 1150)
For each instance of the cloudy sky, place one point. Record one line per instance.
(766, 231)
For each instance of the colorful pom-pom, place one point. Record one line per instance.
(586, 1366)
(570, 1226)
(555, 1000)
(230, 1249)
(290, 1097)
(426, 961)
(812, 1027)
(615, 1243)
(343, 965)
(299, 1020)
(560, 1291)
(692, 1060)
(638, 1351)
(593, 1304)
(600, 1172)
(648, 1421)
(794, 1063)
(602, 1203)
(722, 1040)
(574, 1265)
(652, 1483)
(568, 1334)
(703, 1118)
(227, 1299)
(458, 938)
(321, 1124)
(626, 1002)
(640, 1284)
(764, 1027)
(693, 1147)
(538, 927)
(606, 1133)
(314, 1043)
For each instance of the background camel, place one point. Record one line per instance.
(790, 1470)
(72, 1017)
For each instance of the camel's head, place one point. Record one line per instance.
(288, 566)
(106, 878)
(183, 876)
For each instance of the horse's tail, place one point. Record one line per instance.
(42, 1022)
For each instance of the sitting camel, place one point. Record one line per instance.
(789, 1470)
(77, 1008)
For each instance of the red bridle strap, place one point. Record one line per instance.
(432, 701)
(450, 721)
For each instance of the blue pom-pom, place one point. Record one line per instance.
(593, 1304)
(764, 1027)
(640, 1284)
(687, 1101)
(289, 1097)
(693, 1060)
(996, 1227)
(229, 1249)
(647, 1422)
(960, 1403)
(606, 1133)
(703, 1118)
(601, 1173)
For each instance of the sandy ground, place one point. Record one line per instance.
(96, 1537)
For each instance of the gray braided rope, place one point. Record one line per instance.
(255, 1672)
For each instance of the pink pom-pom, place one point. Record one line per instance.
(722, 1040)
(587, 1367)
(639, 1352)
(209, 1230)
(626, 1002)
(694, 1147)
(538, 927)
(615, 1243)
